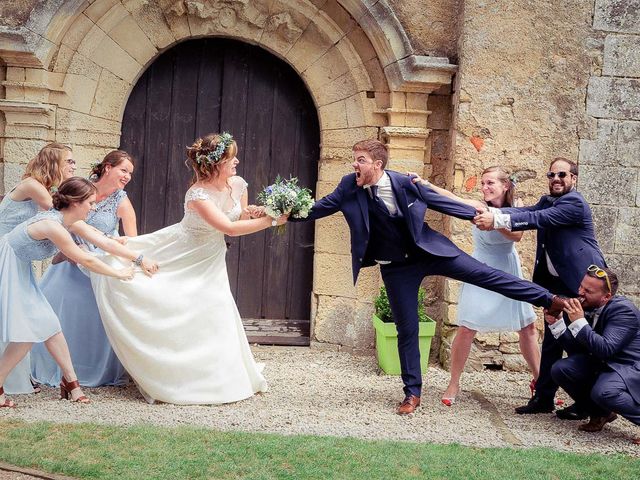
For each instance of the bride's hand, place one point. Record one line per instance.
(282, 219)
(125, 273)
(149, 266)
(254, 211)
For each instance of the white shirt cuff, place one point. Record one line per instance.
(558, 328)
(577, 325)
(500, 220)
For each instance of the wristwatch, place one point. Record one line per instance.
(274, 222)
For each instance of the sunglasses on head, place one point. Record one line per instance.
(600, 273)
(551, 175)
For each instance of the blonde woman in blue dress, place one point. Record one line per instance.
(25, 315)
(480, 310)
(53, 163)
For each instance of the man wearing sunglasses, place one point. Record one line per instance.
(566, 247)
(603, 374)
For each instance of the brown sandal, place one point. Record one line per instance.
(7, 403)
(65, 391)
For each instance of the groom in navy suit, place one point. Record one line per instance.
(385, 212)
(603, 374)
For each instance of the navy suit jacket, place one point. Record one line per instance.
(615, 340)
(412, 199)
(565, 232)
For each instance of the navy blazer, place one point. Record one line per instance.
(615, 340)
(565, 232)
(412, 199)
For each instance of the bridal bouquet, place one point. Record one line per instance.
(286, 197)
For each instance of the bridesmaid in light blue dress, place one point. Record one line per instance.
(69, 291)
(480, 309)
(25, 314)
(51, 165)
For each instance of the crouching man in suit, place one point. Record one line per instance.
(603, 371)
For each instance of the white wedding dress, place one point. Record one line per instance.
(179, 334)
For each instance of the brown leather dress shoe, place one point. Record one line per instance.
(409, 405)
(597, 423)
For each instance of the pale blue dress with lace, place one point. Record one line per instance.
(486, 311)
(13, 213)
(25, 313)
(179, 333)
(69, 292)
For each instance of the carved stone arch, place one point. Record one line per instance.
(71, 67)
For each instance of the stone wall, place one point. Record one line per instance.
(610, 159)
(519, 100)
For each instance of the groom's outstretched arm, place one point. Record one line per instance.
(327, 205)
(445, 205)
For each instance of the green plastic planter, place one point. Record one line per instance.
(387, 344)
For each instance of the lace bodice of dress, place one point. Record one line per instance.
(105, 216)
(13, 213)
(227, 201)
(25, 247)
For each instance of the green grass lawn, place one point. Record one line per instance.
(146, 452)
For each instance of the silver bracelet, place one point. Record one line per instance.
(138, 260)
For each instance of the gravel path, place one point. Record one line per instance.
(333, 393)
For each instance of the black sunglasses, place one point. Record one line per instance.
(551, 175)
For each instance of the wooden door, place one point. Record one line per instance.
(213, 85)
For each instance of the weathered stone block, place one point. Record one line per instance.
(111, 96)
(128, 34)
(451, 316)
(509, 337)
(603, 149)
(150, 19)
(13, 174)
(509, 348)
(598, 185)
(621, 58)
(369, 281)
(346, 136)
(97, 10)
(618, 98)
(627, 268)
(334, 114)
(19, 151)
(489, 339)
(627, 238)
(81, 65)
(107, 53)
(333, 316)
(617, 16)
(605, 219)
(333, 170)
(311, 45)
(629, 144)
(452, 290)
(79, 93)
(332, 236)
(514, 363)
(333, 275)
(77, 31)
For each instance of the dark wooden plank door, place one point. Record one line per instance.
(213, 85)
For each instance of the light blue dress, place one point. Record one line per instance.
(25, 313)
(69, 292)
(486, 311)
(13, 213)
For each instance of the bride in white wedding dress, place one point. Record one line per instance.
(179, 335)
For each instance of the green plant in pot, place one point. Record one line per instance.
(387, 335)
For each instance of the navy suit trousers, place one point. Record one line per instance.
(402, 280)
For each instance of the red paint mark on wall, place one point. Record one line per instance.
(471, 183)
(477, 142)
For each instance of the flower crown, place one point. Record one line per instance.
(213, 157)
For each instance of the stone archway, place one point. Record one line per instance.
(72, 65)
